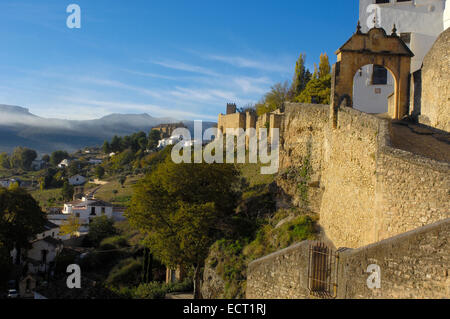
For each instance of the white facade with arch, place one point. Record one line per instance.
(418, 23)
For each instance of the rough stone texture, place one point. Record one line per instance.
(281, 275)
(369, 191)
(349, 176)
(413, 265)
(213, 285)
(435, 104)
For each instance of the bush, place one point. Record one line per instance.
(126, 273)
(151, 290)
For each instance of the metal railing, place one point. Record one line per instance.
(322, 271)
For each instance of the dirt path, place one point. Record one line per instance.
(421, 140)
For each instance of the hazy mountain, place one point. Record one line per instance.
(19, 127)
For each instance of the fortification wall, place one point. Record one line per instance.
(368, 191)
(348, 209)
(435, 104)
(233, 121)
(412, 265)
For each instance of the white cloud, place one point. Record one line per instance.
(181, 66)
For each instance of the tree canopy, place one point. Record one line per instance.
(21, 218)
(183, 208)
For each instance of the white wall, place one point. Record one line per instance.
(364, 97)
(447, 15)
(423, 18)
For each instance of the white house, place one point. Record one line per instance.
(44, 248)
(86, 210)
(42, 254)
(7, 182)
(418, 23)
(64, 163)
(77, 180)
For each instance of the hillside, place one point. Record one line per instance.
(19, 127)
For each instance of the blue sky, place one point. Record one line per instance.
(183, 59)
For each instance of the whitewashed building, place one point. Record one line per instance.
(86, 210)
(64, 163)
(417, 22)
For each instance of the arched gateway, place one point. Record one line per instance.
(377, 48)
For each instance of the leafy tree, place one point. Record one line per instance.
(57, 157)
(99, 171)
(21, 218)
(46, 158)
(324, 66)
(5, 161)
(67, 191)
(74, 168)
(182, 209)
(116, 144)
(70, 226)
(301, 77)
(122, 180)
(5, 263)
(106, 148)
(22, 157)
(274, 99)
(316, 91)
(100, 228)
(153, 138)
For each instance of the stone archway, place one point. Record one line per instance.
(378, 48)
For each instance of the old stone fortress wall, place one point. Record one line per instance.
(387, 206)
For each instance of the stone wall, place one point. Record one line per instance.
(347, 213)
(368, 191)
(413, 265)
(435, 104)
(281, 275)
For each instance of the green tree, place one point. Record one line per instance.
(100, 228)
(57, 157)
(324, 66)
(46, 158)
(22, 157)
(106, 147)
(182, 209)
(99, 171)
(301, 77)
(274, 99)
(317, 91)
(116, 144)
(21, 218)
(5, 160)
(74, 168)
(71, 226)
(153, 138)
(67, 191)
(122, 180)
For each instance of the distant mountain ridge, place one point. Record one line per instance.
(19, 127)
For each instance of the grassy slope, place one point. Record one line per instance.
(123, 196)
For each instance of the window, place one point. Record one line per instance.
(92, 211)
(379, 75)
(103, 210)
(382, 1)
